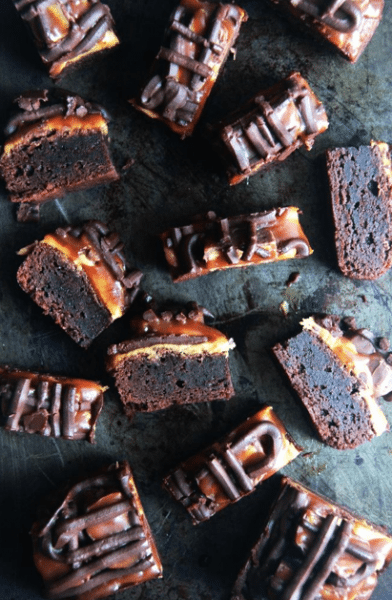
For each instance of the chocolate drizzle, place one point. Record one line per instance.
(100, 535)
(271, 126)
(55, 407)
(342, 15)
(64, 31)
(232, 467)
(307, 545)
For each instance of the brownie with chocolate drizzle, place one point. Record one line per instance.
(231, 468)
(81, 278)
(269, 127)
(67, 33)
(49, 405)
(199, 38)
(93, 539)
(312, 548)
(212, 243)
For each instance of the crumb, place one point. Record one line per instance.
(307, 455)
(128, 164)
(293, 278)
(284, 307)
(363, 298)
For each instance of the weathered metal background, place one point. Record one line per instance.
(169, 182)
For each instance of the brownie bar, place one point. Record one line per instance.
(232, 468)
(56, 143)
(211, 243)
(270, 127)
(312, 548)
(94, 540)
(199, 38)
(338, 371)
(348, 25)
(360, 183)
(171, 358)
(68, 33)
(80, 277)
(48, 405)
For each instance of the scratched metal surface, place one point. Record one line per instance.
(168, 183)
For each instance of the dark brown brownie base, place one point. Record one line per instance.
(329, 393)
(361, 199)
(56, 164)
(64, 293)
(148, 385)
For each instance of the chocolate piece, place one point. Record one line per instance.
(199, 38)
(270, 127)
(232, 467)
(360, 183)
(348, 25)
(94, 539)
(68, 32)
(80, 277)
(211, 243)
(172, 358)
(48, 405)
(312, 548)
(338, 372)
(56, 143)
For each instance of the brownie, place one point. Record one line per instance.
(338, 372)
(93, 540)
(80, 277)
(68, 34)
(360, 183)
(212, 244)
(311, 548)
(231, 468)
(348, 25)
(171, 358)
(55, 143)
(199, 38)
(49, 405)
(269, 127)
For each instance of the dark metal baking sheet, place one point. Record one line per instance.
(168, 183)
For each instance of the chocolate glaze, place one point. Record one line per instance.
(94, 540)
(346, 24)
(48, 405)
(211, 243)
(65, 31)
(197, 43)
(270, 127)
(311, 548)
(232, 467)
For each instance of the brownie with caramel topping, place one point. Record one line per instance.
(312, 548)
(171, 358)
(55, 143)
(49, 405)
(211, 243)
(339, 371)
(80, 277)
(92, 539)
(231, 468)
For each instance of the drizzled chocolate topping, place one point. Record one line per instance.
(64, 31)
(211, 243)
(96, 538)
(271, 126)
(40, 105)
(312, 548)
(198, 40)
(232, 467)
(50, 406)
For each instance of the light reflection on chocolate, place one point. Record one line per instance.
(232, 467)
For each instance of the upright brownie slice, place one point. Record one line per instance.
(338, 372)
(360, 182)
(80, 277)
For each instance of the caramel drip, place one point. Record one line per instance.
(354, 362)
(70, 125)
(85, 257)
